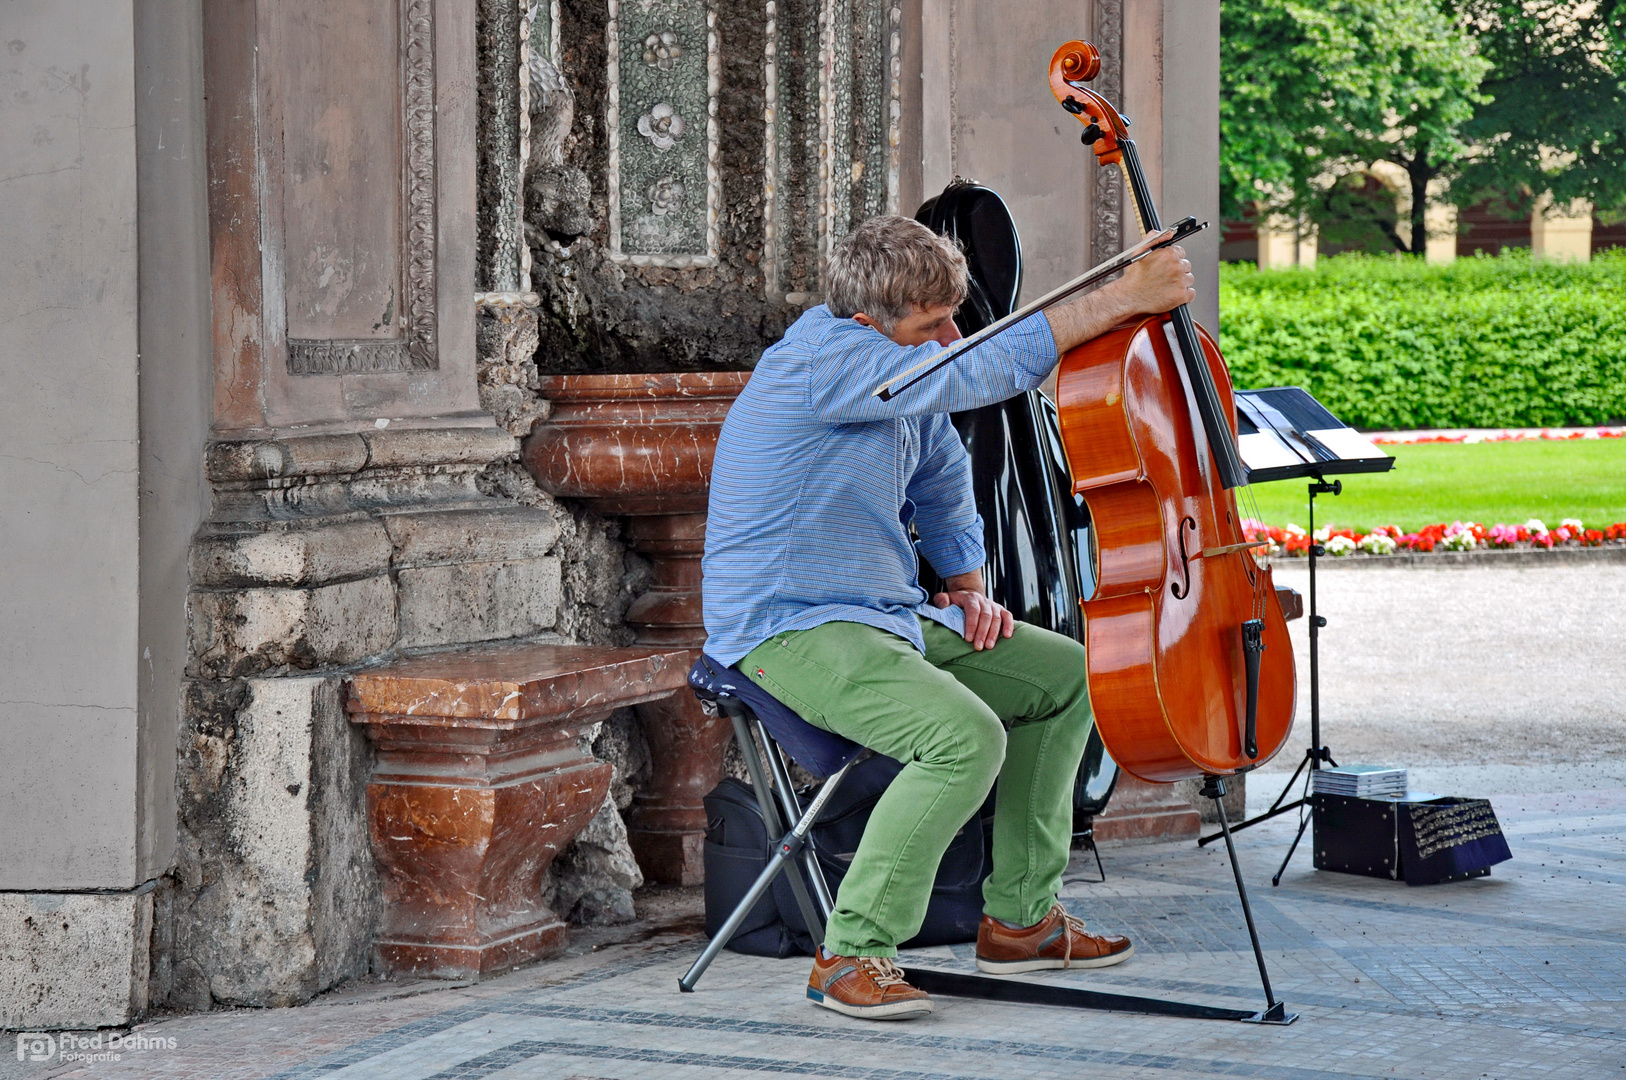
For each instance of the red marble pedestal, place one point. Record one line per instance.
(641, 446)
(479, 782)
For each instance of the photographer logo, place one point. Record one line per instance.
(65, 1046)
(35, 1046)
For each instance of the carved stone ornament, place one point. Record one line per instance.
(665, 188)
(415, 350)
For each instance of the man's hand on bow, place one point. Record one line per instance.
(985, 621)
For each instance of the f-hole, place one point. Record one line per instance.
(1182, 589)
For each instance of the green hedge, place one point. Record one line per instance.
(1391, 343)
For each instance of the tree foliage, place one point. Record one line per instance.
(1505, 99)
(1555, 114)
(1312, 93)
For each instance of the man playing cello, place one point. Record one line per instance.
(812, 590)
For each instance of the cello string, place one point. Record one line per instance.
(1252, 502)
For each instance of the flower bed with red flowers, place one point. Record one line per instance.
(1457, 536)
(1501, 436)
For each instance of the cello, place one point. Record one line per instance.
(1183, 616)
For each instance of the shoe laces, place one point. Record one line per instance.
(883, 970)
(1070, 925)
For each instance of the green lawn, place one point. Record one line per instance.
(1485, 482)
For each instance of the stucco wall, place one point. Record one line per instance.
(987, 114)
(68, 447)
(176, 386)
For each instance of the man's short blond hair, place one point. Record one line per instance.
(891, 265)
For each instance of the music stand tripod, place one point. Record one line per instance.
(1317, 753)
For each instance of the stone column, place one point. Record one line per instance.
(347, 437)
(1561, 233)
(641, 446)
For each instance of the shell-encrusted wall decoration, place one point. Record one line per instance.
(832, 77)
(662, 50)
(663, 126)
(665, 190)
(665, 196)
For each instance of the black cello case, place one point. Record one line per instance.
(1036, 529)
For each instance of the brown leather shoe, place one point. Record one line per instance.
(1056, 941)
(868, 986)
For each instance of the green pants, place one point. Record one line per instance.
(944, 715)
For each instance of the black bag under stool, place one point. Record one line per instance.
(739, 845)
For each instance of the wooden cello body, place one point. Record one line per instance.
(1168, 678)
(1190, 666)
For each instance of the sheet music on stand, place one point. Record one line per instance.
(1283, 433)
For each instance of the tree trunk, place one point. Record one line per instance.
(1421, 173)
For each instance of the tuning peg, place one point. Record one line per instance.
(1092, 135)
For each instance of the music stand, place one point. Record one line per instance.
(1283, 434)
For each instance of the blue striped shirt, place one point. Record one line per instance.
(817, 481)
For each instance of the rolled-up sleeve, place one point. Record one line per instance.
(854, 359)
(945, 513)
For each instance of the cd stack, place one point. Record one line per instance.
(1360, 781)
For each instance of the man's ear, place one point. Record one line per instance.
(864, 320)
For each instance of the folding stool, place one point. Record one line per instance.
(819, 752)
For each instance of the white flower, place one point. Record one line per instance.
(1292, 529)
(1378, 544)
(1536, 526)
(665, 195)
(1322, 533)
(1571, 524)
(662, 50)
(662, 126)
(1339, 545)
(1460, 541)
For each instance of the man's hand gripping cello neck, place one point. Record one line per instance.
(1159, 282)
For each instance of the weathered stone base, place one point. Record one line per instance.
(669, 856)
(274, 897)
(73, 960)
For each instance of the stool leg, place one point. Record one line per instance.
(762, 789)
(777, 863)
(793, 812)
(753, 766)
(782, 858)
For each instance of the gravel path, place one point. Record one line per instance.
(1470, 667)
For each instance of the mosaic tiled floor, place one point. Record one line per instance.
(1522, 974)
